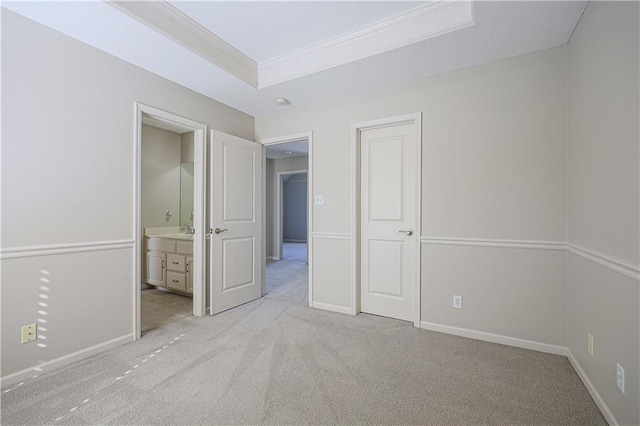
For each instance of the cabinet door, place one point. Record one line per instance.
(156, 272)
(189, 275)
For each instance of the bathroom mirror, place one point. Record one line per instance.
(186, 194)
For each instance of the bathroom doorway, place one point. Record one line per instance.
(169, 218)
(288, 218)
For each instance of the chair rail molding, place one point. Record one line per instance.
(64, 248)
(479, 242)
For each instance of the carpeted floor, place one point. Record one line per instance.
(294, 252)
(276, 361)
(160, 308)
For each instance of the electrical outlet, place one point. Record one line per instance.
(29, 333)
(319, 200)
(457, 301)
(590, 344)
(620, 377)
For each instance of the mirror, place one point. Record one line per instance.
(186, 194)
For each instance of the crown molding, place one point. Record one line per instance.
(413, 26)
(172, 23)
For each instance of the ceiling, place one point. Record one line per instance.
(287, 149)
(247, 53)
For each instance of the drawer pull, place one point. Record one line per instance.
(175, 263)
(175, 281)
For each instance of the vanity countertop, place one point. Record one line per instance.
(183, 237)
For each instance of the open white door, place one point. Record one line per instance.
(236, 221)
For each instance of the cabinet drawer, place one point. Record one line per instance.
(161, 244)
(175, 262)
(176, 281)
(185, 247)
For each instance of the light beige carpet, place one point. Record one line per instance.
(276, 361)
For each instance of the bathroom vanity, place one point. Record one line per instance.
(169, 262)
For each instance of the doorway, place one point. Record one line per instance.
(288, 182)
(291, 227)
(169, 258)
(386, 217)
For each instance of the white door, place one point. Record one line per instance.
(236, 221)
(389, 173)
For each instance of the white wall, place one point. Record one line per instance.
(493, 168)
(161, 151)
(67, 138)
(273, 167)
(603, 194)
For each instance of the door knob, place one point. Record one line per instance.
(218, 230)
(409, 232)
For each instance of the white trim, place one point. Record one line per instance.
(54, 249)
(177, 26)
(269, 258)
(495, 338)
(520, 244)
(356, 129)
(47, 366)
(415, 25)
(332, 236)
(199, 268)
(279, 140)
(332, 308)
(604, 408)
(278, 234)
(287, 138)
(616, 265)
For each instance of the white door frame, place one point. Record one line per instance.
(356, 129)
(199, 142)
(279, 218)
(275, 141)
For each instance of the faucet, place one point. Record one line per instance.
(189, 229)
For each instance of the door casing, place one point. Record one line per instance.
(356, 129)
(199, 142)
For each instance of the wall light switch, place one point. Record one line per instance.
(319, 200)
(590, 344)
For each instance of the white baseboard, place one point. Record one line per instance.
(47, 366)
(604, 408)
(294, 241)
(332, 308)
(268, 258)
(496, 338)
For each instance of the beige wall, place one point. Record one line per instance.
(603, 171)
(187, 147)
(493, 168)
(67, 138)
(273, 167)
(161, 152)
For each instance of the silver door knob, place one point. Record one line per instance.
(218, 230)
(409, 232)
